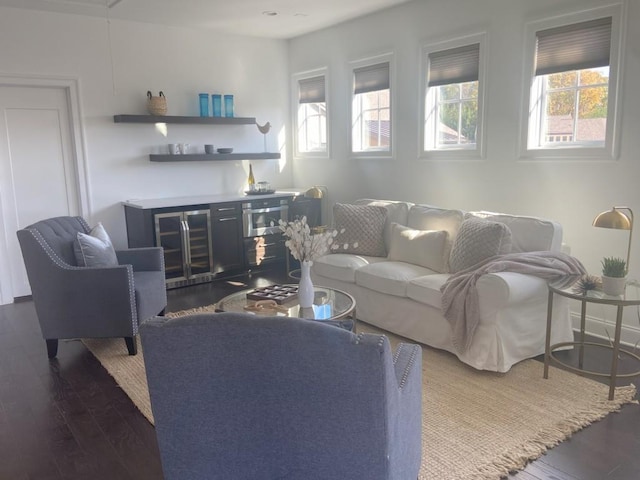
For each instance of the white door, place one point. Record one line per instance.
(37, 171)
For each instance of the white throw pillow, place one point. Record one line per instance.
(95, 249)
(478, 240)
(420, 247)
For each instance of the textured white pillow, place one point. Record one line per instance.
(478, 240)
(95, 249)
(420, 247)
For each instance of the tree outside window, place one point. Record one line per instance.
(576, 106)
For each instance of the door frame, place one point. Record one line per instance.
(71, 87)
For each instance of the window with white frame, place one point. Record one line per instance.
(452, 109)
(311, 116)
(371, 109)
(573, 98)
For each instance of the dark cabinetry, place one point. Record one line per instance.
(264, 250)
(205, 241)
(226, 228)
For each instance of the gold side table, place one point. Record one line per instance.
(630, 297)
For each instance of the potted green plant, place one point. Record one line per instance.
(614, 271)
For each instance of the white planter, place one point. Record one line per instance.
(613, 285)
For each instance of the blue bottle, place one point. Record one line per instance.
(228, 105)
(217, 105)
(204, 104)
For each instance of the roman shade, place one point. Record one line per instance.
(455, 65)
(573, 47)
(311, 90)
(371, 78)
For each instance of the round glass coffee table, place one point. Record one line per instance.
(331, 306)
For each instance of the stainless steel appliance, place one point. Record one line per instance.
(263, 240)
(186, 239)
(261, 217)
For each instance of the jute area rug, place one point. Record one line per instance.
(475, 425)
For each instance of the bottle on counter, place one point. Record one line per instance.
(251, 181)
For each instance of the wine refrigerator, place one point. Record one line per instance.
(186, 239)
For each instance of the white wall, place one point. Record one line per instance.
(571, 192)
(179, 62)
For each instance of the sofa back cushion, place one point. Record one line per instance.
(397, 212)
(360, 228)
(477, 240)
(426, 217)
(419, 247)
(528, 234)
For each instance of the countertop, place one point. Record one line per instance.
(146, 203)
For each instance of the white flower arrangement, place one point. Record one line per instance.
(306, 246)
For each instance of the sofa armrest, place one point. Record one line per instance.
(505, 288)
(148, 259)
(95, 301)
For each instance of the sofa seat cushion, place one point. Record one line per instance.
(427, 289)
(342, 266)
(390, 277)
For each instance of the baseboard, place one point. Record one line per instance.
(598, 327)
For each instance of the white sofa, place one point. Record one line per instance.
(405, 298)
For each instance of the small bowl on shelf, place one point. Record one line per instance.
(225, 150)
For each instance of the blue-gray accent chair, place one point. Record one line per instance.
(89, 302)
(237, 396)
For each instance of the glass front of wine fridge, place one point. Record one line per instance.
(186, 240)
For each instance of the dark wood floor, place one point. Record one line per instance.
(68, 419)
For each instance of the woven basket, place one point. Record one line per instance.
(157, 105)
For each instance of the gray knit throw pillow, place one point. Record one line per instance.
(363, 227)
(478, 240)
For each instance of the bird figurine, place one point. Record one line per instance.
(264, 129)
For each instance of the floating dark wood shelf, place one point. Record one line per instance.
(212, 157)
(184, 120)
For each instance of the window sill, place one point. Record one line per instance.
(461, 154)
(568, 153)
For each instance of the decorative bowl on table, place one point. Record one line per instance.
(225, 150)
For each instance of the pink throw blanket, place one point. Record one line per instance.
(460, 303)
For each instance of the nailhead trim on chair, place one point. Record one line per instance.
(412, 360)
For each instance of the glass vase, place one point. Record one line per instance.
(204, 104)
(228, 105)
(216, 100)
(305, 286)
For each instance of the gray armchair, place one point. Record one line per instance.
(77, 302)
(247, 397)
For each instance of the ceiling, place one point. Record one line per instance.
(263, 18)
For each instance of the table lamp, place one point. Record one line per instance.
(618, 220)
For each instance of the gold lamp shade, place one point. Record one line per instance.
(618, 220)
(613, 219)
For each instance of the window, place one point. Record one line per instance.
(311, 115)
(572, 105)
(371, 109)
(453, 98)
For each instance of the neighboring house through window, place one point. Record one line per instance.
(453, 97)
(311, 115)
(371, 108)
(574, 73)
